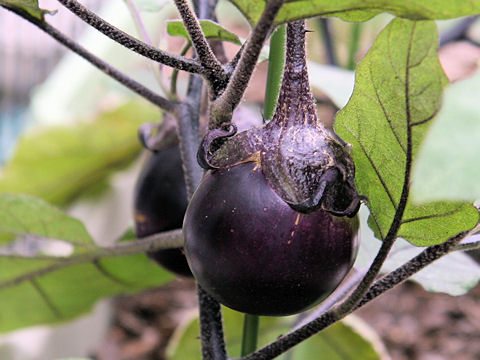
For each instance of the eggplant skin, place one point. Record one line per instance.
(253, 253)
(160, 203)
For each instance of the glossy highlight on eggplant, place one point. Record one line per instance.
(255, 254)
(272, 228)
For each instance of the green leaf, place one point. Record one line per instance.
(50, 290)
(24, 215)
(28, 6)
(359, 10)
(211, 29)
(341, 341)
(397, 92)
(60, 163)
(447, 166)
(454, 274)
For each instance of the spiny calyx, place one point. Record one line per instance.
(300, 159)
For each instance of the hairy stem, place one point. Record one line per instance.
(425, 258)
(201, 45)
(142, 31)
(99, 63)
(210, 315)
(223, 107)
(211, 329)
(338, 312)
(177, 62)
(468, 246)
(413, 266)
(337, 295)
(173, 79)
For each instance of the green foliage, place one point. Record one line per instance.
(397, 92)
(447, 166)
(28, 6)
(212, 31)
(37, 291)
(48, 289)
(59, 163)
(454, 274)
(30, 216)
(359, 10)
(338, 342)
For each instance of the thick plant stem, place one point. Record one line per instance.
(274, 80)
(177, 62)
(250, 334)
(187, 114)
(413, 266)
(211, 330)
(210, 316)
(99, 63)
(276, 62)
(201, 45)
(222, 108)
(428, 256)
(173, 80)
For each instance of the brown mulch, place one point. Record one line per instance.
(414, 324)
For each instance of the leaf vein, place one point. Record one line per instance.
(387, 116)
(46, 299)
(374, 167)
(432, 216)
(98, 265)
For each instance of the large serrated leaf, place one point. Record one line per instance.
(60, 163)
(211, 30)
(397, 92)
(44, 291)
(29, 6)
(447, 166)
(25, 215)
(360, 10)
(338, 342)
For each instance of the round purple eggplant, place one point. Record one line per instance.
(254, 253)
(160, 204)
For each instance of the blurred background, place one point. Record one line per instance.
(48, 95)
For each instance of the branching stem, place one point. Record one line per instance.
(397, 276)
(413, 266)
(177, 62)
(142, 31)
(222, 108)
(201, 45)
(99, 63)
(165, 240)
(188, 114)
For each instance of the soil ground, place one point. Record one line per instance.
(413, 324)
